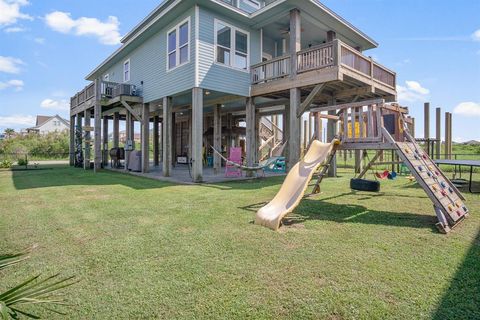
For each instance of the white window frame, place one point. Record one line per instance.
(177, 44)
(254, 3)
(129, 70)
(233, 48)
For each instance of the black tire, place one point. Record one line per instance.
(365, 185)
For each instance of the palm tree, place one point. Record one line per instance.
(9, 132)
(34, 291)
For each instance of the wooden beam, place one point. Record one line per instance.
(217, 137)
(308, 101)
(145, 136)
(167, 136)
(251, 138)
(131, 110)
(370, 164)
(348, 105)
(197, 134)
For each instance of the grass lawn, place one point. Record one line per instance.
(146, 249)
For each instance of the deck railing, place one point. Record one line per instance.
(335, 53)
(108, 90)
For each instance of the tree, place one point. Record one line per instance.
(9, 132)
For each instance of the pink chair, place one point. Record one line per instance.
(235, 157)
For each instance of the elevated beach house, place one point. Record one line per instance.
(196, 73)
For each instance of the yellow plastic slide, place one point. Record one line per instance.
(294, 186)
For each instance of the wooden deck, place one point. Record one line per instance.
(111, 94)
(345, 71)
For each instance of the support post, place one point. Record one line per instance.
(217, 138)
(438, 132)
(88, 136)
(128, 137)
(72, 141)
(426, 125)
(116, 129)
(145, 136)
(197, 134)
(305, 134)
(295, 137)
(97, 110)
(331, 132)
(447, 135)
(295, 40)
(251, 138)
(167, 131)
(105, 141)
(156, 142)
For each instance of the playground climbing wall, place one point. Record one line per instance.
(438, 187)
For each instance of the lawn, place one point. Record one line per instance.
(146, 249)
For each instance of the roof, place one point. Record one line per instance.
(41, 120)
(254, 17)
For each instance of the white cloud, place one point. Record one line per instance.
(10, 64)
(10, 11)
(15, 30)
(51, 104)
(17, 121)
(469, 109)
(413, 91)
(107, 31)
(17, 85)
(39, 40)
(476, 35)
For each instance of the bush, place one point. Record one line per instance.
(22, 162)
(6, 164)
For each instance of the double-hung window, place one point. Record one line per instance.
(231, 46)
(126, 71)
(178, 45)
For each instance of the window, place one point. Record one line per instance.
(252, 3)
(126, 71)
(106, 77)
(178, 45)
(231, 45)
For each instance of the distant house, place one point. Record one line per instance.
(48, 124)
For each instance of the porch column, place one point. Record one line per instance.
(295, 38)
(197, 134)
(128, 137)
(331, 132)
(116, 129)
(105, 140)
(88, 136)
(78, 127)
(97, 137)
(156, 142)
(145, 137)
(217, 137)
(251, 135)
(167, 136)
(295, 137)
(72, 141)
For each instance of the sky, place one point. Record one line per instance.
(47, 47)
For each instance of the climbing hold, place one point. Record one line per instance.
(437, 173)
(424, 156)
(430, 168)
(459, 213)
(465, 209)
(434, 187)
(457, 204)
(444, 193)
(450, 208)
(407, 150)
(416, 157)
(420, 168)
(443, 184)
(450, 190)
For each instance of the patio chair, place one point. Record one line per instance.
(235, 157)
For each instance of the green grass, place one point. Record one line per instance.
(146, 249)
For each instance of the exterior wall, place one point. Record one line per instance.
(148, 63)
(215, 76)
(49, 126)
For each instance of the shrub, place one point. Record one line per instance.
(6, 164)
(22, 162)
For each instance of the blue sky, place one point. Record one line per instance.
(47, 47)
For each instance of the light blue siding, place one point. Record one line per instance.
(217, 77)
(148, 63)
(246, 6)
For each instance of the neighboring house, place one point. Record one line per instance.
(48, 124)
(193, 65)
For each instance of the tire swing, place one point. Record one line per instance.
(360, 184)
